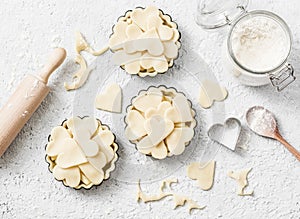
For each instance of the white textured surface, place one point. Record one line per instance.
(29, 29)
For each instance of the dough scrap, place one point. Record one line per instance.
(211, 91)
(81, 152)
(145, 42)
(150, 198)
(241, 178)
(203, 173)
(179, 200)
(111, 99)
(80, 76)
(155, 125)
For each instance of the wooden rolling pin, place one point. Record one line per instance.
(26, 99)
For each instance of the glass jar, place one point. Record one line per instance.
(258, 45)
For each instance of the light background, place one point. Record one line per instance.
(29, 29)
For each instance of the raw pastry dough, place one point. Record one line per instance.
(81, 152)
(150, 198)
(241, 179)
(160, 122)
(110, 100)
(145, 41)
(203, 173)
(82, 74)
(211, 91)
(179, 200)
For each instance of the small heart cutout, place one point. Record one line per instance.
(70, 175)
(203, 173)
(92, 173)
(139, 16)
(82, 130)
(157, 128)
(56, 144)
(135, 125)
(178, 139)
(71, 155)
(181, 110)
(210, 92)
(110, 100)
(148, 100)
(227, 134)
(160, 111)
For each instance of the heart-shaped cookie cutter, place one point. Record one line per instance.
(226, 134)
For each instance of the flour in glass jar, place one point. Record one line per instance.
(259, 43)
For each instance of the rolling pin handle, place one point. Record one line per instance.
(56, 58)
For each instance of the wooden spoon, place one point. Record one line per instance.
(262, 122)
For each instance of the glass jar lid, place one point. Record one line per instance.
(212, 14)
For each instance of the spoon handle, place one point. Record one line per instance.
(287, 145)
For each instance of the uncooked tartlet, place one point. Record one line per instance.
(160, 122)
(145, 41)
(81, 152)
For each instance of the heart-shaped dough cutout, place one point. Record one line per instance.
(104, 147)
(139, 16)
(135, 125)
(160, 111)
(157, 128)
(98, 161)
(159, 152)
(57, 140)
(210, 92)
(111, 99)
(148, 100)
(177, 140)
(92, 173)
(203, 173)
(83, 130)
(70, 175)
(118, 38)
(170, 49)
(71, 156)
(227, 134)
(181, 110)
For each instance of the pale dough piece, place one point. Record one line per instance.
(241, 179)
(203, 173)
(58, 136)
(181, 110)
(150, 198)
(177, 140)
(82, 45)
(70, 175)
(160, 122)
(80, 77)
(180, 200)
(157, 129)
(161, 109)
(210, 92)
(91, 173)
(140, 16)
(72, 156)
(83, 130)
(135, 125)
(167, 184)
(111, 99)
(144, 102)
(147, 32)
